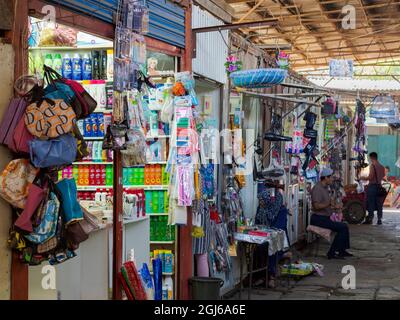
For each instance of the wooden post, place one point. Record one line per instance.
(185, 237)
(117, 226)
(19, 40)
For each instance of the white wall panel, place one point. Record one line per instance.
(211, 48)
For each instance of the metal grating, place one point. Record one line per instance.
(167, 20)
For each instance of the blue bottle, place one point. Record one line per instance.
(77, 67)
(86, 67)
(67, 67)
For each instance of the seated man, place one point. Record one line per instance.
(322, 208)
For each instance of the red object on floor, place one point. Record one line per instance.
(125, 287)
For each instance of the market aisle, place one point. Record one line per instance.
(377, 264)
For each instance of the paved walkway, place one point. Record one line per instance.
(376, 261)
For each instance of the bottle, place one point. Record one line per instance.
(103, 64)
(80, 124)
(94, 124)
(75, 173)
(98, 175)
(87, 127)
(67, 67)
(95, 65)
(77, 67)
(86, 67)
(109, 175)
(57, 63)
(86, 175)
(100, 121)
(103, 175)
(92, 175)
(170, 287)
(48, 60)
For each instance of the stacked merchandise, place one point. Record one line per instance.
(40, 128)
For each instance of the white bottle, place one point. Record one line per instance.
(170, 287)
(97, 198)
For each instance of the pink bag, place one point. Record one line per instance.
(36, 196)
(21, 138)
(336, 217)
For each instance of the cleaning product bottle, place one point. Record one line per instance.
(77, 67)
(67, 67)
(170, 287)
(58, 63)
(48, 60)
(86, 67)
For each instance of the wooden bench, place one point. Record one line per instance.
(320, 233)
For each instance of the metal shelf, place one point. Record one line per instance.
(162, 242)
(92, 162)
(158, 137)
(100, 46)
(157, 214)
(127, 221)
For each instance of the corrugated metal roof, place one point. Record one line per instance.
(356, 84)
(100, 9)
(167, 22)
(211, 48)
(166, 19)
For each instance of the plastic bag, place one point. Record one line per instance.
(383, 106)
(60, 36)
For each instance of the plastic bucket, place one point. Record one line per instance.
(205, 288)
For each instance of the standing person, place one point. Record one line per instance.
(375, 177)
(322, 208)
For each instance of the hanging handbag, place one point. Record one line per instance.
(310, 119)
(11, 118)
(49, 118)
(16, 180)
(80, 100)
(55, 152)
(21, 138)
(48, 226)
(37, 193)
(72, 211)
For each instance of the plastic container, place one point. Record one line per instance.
(48, 60)
(58, 63)
(67, 67)
(86, 67)
(77, 67)
(205, 288)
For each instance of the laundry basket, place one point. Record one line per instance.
(203, 288)
(258, 78)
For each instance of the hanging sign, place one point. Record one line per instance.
(341, 68)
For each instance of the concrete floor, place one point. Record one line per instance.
(376, 260)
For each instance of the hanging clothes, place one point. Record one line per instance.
(269, 206)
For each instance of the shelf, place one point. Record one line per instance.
(162, 242)
(99, 46)
(158, 137)
(165, 273)
(94, 138)
(148, 187)
(92, 162)
(103, 111)
(127, 221)
(92, 188)
(157, 214)
(157, 162)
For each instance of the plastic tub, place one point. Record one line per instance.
(205, 288)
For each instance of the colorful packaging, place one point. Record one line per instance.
(87, 128)
(77, 67)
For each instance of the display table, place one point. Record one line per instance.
(248, 241)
